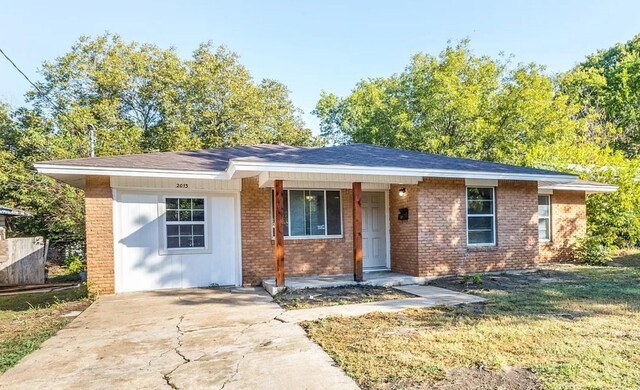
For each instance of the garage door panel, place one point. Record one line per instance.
(142, 262)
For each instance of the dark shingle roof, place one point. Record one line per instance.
(378, 156)
(350, 155)
(196, 160)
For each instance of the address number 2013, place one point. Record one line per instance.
(182, 185)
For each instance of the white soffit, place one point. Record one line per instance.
(481, 182)
(588, 187)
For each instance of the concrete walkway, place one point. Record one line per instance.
(184, 339)
(426, 296)
(373, 278)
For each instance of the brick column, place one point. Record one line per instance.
(99, 234)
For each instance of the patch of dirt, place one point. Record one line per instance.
(481, 379)
(316, 297)
(504, 281)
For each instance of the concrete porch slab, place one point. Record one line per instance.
(377, 278)
(427, 296)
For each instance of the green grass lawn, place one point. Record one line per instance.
(573, 327)
(27, 320)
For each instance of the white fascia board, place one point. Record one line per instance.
(577, 187)
(139, 172)
(257, 167)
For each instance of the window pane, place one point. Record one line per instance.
(198, 204)
(172, 215)
(184, 215)
(198, 230)
(479, 193)
(480, 223)
(543, 206)
(186, 230)
(481, 237)
(198, 241)
(172, 230)
(333, 213)
(543, 229)
(480, 207)
(184, 203)
(186, 242)
(298, 216)
(173, 242)
(315, 204)
(198, 215)
(172, 203)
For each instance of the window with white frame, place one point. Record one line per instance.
(544, 217)
(184, 223)
(312, 213)
(481, 216)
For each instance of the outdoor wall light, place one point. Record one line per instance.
(402, 192)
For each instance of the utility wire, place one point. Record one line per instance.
(55, 106)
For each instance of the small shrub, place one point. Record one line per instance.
(591, 250)
(74, 263)
(475, 279)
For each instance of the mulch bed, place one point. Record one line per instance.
(316, 297)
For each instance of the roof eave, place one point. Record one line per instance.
(589, 189)
(53, 170)
(236, 168)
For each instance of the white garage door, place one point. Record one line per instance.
(175, 241)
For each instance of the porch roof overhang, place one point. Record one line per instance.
(588, 187)
(269, 171)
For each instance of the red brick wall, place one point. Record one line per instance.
(99, 234)
(568, 223)
(441, 229)
(404, 234)
(301, 257)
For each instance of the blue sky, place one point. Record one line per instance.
(321, 45)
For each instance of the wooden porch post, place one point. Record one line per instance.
(278, 246)
(357, 231)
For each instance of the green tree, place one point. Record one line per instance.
(607, 85)
(456, 104)
(57, 209)
(142, 98)
(139, 98)
(471, 106)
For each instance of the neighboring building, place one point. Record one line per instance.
(6, 212)
(185, 219)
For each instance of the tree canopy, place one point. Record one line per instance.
(139, 98)
(464, 105)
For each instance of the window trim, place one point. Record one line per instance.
(494, 216)
(309, 237)
(162, 217)
(550, 231)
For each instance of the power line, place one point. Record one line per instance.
(55, 106)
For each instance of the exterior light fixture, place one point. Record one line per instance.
(402, 192)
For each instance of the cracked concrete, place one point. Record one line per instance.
(181, 339)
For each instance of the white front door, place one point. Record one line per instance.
(374, 230)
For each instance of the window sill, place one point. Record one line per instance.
(194, 251)
(482, 248)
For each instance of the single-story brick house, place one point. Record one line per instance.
(233, 216)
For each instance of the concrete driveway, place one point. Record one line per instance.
(185, 339)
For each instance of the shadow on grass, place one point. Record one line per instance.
(580, 291)
(23, 302)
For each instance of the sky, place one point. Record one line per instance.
(311, 46)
